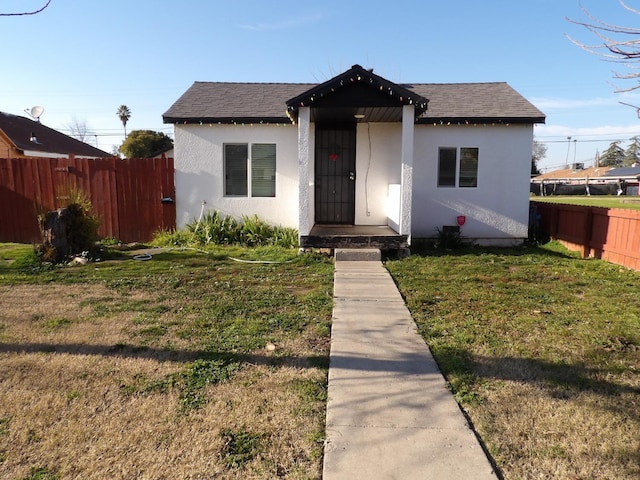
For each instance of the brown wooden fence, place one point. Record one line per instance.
(612, 234)
(133, 197)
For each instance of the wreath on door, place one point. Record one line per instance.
(334, 152)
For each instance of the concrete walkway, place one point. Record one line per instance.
(389, 414)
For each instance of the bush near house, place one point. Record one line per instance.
(216, 229)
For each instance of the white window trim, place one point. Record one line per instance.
(249, 166)
(457, 169)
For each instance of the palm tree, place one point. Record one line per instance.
(124, 114)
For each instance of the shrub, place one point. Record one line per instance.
(449, 238)
(215, 229)
(70, 230)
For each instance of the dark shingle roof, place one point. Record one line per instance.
(213, 102)
(226, 102)
(624, 172)
(476, 101)
(21, 130)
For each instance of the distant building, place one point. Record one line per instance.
(578, 180)
(22, 137)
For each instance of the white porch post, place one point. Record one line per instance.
(304, 163)
(408, 120)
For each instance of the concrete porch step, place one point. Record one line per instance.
(357, 254)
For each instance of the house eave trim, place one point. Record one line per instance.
(478, 120)
(225, 120)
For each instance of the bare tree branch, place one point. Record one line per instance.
(620, 44)
(25, 13)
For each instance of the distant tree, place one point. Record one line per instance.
(539, 152)
(613, 156)
(79, 130)
(632, 153)
(619, 44)
(144, 143)
(124, 114)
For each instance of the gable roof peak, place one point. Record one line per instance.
(357, 75)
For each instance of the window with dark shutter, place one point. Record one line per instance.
(235, 170)
(263, 170)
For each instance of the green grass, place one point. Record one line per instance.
(240, 446)
(533, 341)
(241, 304)
(41, 473)
(180, 339)
(605, 201)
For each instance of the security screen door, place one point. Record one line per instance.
(335, 174)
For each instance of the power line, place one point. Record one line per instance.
(586, 141)
(25, 13)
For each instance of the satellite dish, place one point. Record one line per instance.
(36, 112)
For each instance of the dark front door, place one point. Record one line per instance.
(335, 174)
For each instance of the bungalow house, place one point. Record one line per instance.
(22, 137)
(358, 157)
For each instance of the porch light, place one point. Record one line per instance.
(359, 116)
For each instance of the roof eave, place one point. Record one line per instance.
(477, 120)
(224, 120)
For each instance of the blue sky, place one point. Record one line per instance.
(82, 59)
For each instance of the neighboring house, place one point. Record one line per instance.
(358, 150)
(578, 180)
(627, 179)
(167, 153)
(22, 137)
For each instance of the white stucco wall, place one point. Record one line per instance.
(497, 211)
(200, 168)
(377, 165)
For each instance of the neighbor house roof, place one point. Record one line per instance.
(571, 174)
(221, 102)
(624, 172)
(28, 135)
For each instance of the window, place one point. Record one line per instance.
(468, 167)
(462, 163)
(235, 170)
(263, 170)
(447, 167)
(257, 170)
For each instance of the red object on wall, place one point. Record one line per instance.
(461, 219)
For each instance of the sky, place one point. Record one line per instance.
(81, 59)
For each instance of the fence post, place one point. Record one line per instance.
(588, 233)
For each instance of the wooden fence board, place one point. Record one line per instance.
(125, 194)
(612, 234)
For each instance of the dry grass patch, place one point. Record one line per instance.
(188, 366)
(542, 350)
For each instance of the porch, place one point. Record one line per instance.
(354, 236)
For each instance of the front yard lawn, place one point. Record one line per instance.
(190, 365)
(194, 365)
(542, 350)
